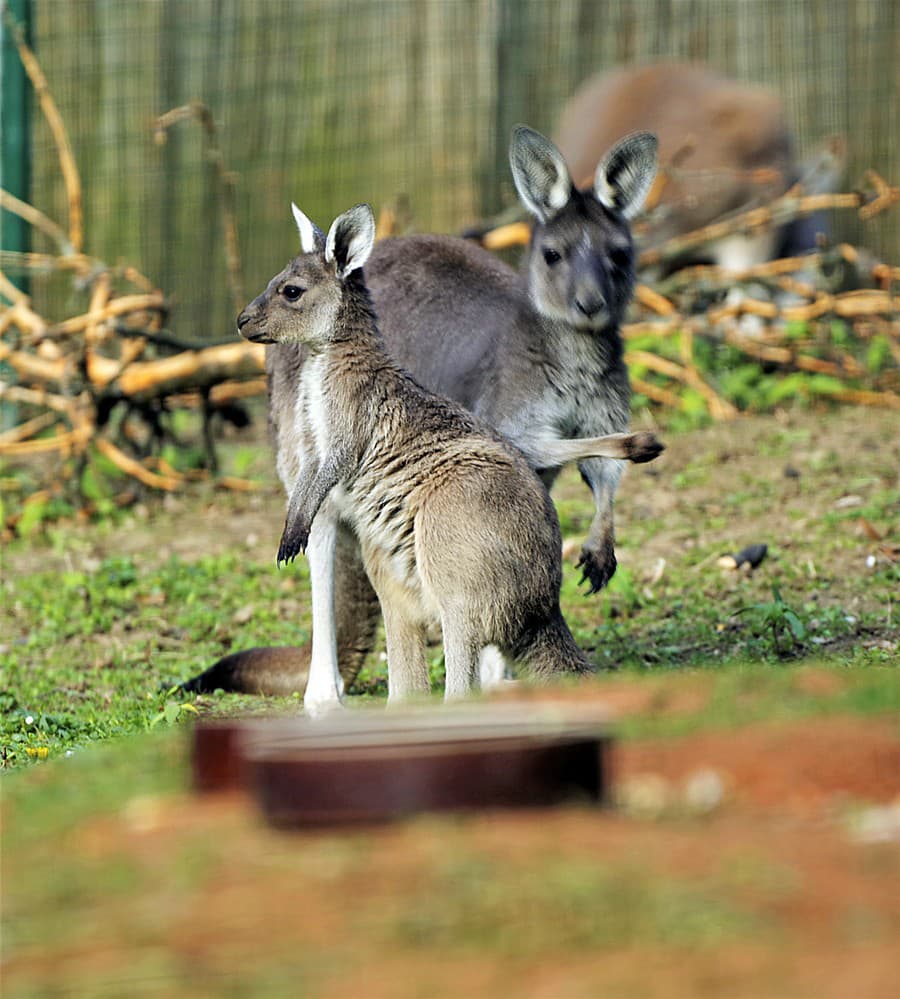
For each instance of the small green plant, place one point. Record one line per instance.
(777, 616)
(173, 711)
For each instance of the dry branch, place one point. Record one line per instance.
(73, 356)
(191, 369)
(125, 305)
(73, 373)
(135, 469)
(65, 442)
(31, 368)
(38, 219)
(29, 428)
(67, 163)
(200, 112)
(36, 397)
(785, 209)
(221, 394)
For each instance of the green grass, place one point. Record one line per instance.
(90, 655)
(87, 656)
(99, 621)
(469, 904)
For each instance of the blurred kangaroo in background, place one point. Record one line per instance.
(724, 146)
(535, 354)
(454, 526)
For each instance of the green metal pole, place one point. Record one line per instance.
(15, 152)
(15, 128)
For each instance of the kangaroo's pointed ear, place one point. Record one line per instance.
(350, 239)
(540, 173)
(311, 236)
(625, 174)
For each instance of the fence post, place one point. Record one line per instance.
(15, 125)
(15, 152)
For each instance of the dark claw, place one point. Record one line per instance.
(293, 542)
(597, 568)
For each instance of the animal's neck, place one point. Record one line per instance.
(357, 310)
(569, 348)
(355, 357)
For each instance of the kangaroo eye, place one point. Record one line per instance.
(551, 257)
(291, 292)
(620, 259)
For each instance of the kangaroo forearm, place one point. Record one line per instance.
(308, 495)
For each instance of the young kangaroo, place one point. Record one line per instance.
(536, 354)
(453, 525)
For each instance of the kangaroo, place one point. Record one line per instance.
(725, 145)
(536, 354)
(454, 527)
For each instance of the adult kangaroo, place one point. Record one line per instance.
(724, 146)
(536, 354)
(454, 526)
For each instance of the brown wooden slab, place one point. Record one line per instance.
(367, 765)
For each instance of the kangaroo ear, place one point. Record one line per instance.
(350, 239)
(540, 173)
(311, 236)
(625, 174)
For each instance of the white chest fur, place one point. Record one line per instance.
(312, 413)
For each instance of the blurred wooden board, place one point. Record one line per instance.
(371, 766)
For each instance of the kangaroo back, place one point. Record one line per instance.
(536, 351)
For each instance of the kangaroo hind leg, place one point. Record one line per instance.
(325, 686)
(407, 663)
(550, 651)
(462, 655)
(356, 610)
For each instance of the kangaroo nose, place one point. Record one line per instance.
(242, 320)
(589, 305)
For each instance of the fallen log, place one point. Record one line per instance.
(191, 369)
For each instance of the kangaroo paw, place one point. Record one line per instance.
(597, 568)
(294, 540)
(641, 447)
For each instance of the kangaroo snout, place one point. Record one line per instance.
(590, 304)
(248, 331)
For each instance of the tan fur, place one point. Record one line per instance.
(536, 355)
(453, 525)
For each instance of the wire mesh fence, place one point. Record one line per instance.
(331, 102)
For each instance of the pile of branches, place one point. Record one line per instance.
(105, 379)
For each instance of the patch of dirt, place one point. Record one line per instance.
(183, 896)
(374, 912)
(802, 769)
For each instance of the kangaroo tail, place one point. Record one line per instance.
(276, 671)
(550, 651)
(638, 447)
